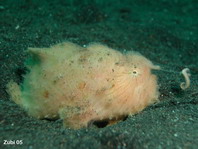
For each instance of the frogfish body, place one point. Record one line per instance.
(85, 84)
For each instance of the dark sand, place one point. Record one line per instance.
(166, 32)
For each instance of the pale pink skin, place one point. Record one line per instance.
(81, 85)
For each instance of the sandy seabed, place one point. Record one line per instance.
(165, 32)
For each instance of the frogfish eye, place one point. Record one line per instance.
(134, 73)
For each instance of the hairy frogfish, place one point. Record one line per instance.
(85, 84)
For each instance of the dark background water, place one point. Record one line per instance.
(165, 31)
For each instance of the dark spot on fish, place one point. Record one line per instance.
(107, 105)
(44, 75)
(54, 82)
(100, 91)
(46, 94)
(81, 85)
(71, 62)
(119, 63)
(100, 59)
(108, 53)
(82, 59)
